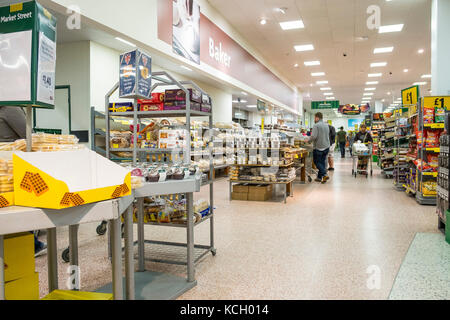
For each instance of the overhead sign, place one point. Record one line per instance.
(354, 109)
(135, 75)
(410, 96)
(437, 102)
(261, 105)
(325, 104)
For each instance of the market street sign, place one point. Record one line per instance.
(325, 104)
(28, 55)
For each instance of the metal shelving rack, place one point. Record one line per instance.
(399, 185)
(175, 285)
(422, 152)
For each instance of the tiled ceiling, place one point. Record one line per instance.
(334, 27)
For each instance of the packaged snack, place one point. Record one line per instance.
(439, 115)
(432, 139)
(121, 107)
(428, 115)
(180, 95)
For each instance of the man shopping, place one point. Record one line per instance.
(320, 137)
(342, 140)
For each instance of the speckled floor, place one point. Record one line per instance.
(425, 272)
(317, 246)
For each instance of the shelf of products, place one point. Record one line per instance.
(386, 147)
(161, 142)
(443, 188)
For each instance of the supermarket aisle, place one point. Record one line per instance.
(317, 246)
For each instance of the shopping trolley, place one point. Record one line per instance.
(362, 162)
(311, 170)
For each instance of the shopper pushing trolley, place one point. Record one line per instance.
(362, 152)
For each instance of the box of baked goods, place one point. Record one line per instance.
(180, 95)
(6, 179)
(58, 180)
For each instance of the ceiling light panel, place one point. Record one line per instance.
(378, 64)
(317, 74)
(325, 89)
(370, 89)
(371, 82)
(374, 75)
(383, 50)
(290, 25)
(312, 63)
(304, 47)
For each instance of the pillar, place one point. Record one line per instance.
(440, 47)
(378, 106)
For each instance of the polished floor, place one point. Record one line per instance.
(327, 242)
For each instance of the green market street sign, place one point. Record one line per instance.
(325, 104)
(27, 55)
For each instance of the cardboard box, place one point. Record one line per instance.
(240, 188)
(205, 108)
(121, 107)
(258, 196)
(181, 105)
(26, 288)
(239, 196)
(19, 256)
(58, 180)
(260, 193)
(151, 107)
(178, 94)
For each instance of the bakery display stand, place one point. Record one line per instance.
(17, 219)
(146, 284)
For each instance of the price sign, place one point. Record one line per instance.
(410, 95)
(437, 102)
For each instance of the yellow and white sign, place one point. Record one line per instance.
(436, 102)
(58, 180)
(410, 95)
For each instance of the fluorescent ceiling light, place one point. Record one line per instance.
(325, 89)
(317, 74)
(330, 98)
(305, 47)
(328, 93)
(405, 70)
(296, 65)
(263, 21)
(368, 94)
(322, 82)
(312, 63)
(426, 76)
(419, 83)
(371, 82)
(370, 89)
(420, 51)
(126, 42)
(391, 28)
(290, 25)
(237, 101)
(373, 75)
(378, 64)
(244, 93)
(251, 106)
(383, 50)
(185, 68)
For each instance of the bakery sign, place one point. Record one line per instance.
(218, 53)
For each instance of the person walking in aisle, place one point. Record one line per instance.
(13, 127)
(320, 137)
(363, 135)
(332, 147)
(342, 140)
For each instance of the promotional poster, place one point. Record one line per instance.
(186, 29)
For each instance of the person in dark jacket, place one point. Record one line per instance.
(363, 135)
(332, 147)
(13, 127)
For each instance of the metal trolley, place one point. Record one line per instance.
(362, 162)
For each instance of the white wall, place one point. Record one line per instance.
(72, 68)
(105, 73)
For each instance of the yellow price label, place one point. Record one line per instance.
(437, 102)
(16, 7)
(410, 95)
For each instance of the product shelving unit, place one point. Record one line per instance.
(174, 286)
(387, 148)
(400, 163)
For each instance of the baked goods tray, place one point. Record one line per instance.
(168, 187)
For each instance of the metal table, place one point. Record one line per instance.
(154, 285)
(23, 219)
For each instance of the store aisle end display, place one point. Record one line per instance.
(387, 147)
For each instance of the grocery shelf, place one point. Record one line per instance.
(159, 114)
(167, 187)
